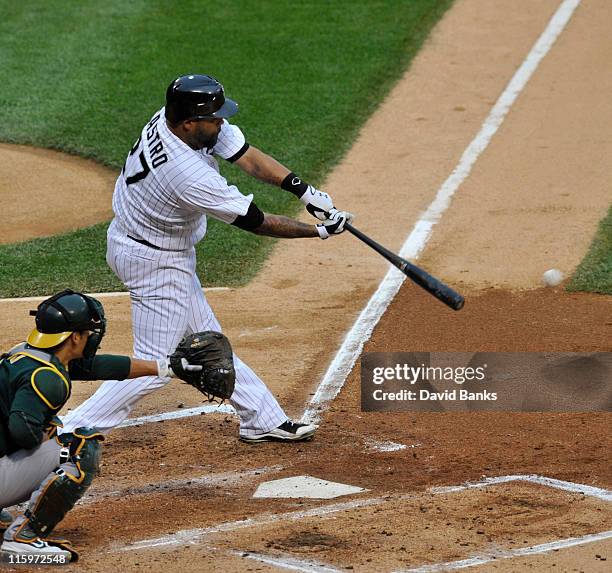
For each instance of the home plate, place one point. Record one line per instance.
(305, 486)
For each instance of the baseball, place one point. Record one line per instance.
(552, 277)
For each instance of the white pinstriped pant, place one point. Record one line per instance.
(167, 303)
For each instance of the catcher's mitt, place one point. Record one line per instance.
(213, 352)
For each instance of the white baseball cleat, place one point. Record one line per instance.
(287, 432)
(35, 546)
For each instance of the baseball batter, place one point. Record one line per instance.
(54, 472)
(169, 186)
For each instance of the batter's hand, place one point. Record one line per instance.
(318, 203)
(335, 224)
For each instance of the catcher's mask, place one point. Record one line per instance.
(64, 313)
(197, 96)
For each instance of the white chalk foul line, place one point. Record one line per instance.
(351, 348)
(177, 414)
(192, 536)
(509, 554)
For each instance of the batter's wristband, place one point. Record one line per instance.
(323, 232)
(294, 184)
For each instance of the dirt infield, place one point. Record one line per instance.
(178, 494)
(170, 482)
(43, 193)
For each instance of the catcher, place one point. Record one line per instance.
(54, 471)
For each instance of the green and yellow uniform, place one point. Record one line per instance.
(34, 386)
(52, 473)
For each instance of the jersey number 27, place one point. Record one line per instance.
(145, 169)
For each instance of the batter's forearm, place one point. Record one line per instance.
(285, 228)
(262, 166)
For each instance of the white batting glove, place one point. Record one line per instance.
(318, 203)
(335, 224)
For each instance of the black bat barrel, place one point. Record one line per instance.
(422, 278)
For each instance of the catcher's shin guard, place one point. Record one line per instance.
(63, 487)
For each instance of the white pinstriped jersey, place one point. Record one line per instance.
(166, 189)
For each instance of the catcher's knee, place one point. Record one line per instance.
(83, 455)
(57, 495)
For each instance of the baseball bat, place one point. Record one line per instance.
(417, 275)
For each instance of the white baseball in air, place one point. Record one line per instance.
(552, 277)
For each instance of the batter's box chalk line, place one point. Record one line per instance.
(194, 536)
(308, 566)
(177, 414)
(509, 554)
(289, 562)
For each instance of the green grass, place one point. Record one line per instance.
(84, 77)
(594, 274)
(78, 260)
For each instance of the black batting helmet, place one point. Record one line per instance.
(197, 96)
(64, 313)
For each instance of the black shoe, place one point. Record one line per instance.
(287, 432)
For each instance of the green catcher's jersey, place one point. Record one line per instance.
(34, 386)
